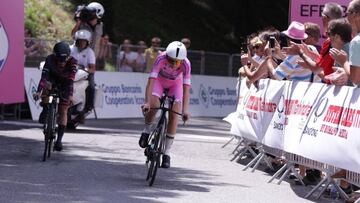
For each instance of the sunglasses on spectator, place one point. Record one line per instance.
(175, 62)
(256, 47)
(324, 15)
(350, 12)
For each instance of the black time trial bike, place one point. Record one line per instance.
(156, 146)
(50, 125)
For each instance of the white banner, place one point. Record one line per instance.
(123, 93)
(313, 120)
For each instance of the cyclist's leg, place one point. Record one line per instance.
(149, 121)
(62, 119)
(45, 107)
(150, 116)
(177, 91)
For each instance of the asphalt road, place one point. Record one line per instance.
(102, 162)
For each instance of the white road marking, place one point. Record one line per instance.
(136, 132)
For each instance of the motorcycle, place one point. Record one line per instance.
(76, 112)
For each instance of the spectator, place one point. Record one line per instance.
(140, 62)
(91, 22)
(186, 42)
(257, 44)
(126, 59)
(151, 53)
(31, 46)
(353, 15)
(104, 52)
(314, 34)
(288, 69)
(339, 32)
(324, 63)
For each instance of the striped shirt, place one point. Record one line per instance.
(290, 70)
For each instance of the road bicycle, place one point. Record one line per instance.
(156, 146)
(50, 125)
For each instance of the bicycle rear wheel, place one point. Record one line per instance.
(155, 159)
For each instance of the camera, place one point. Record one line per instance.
(84, 13)
(272, 41)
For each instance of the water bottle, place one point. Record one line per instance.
(334, 194)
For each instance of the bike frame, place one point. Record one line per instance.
(157, 138)
(50, 122)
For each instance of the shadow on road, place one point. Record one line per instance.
(66, 177)
(299, 190)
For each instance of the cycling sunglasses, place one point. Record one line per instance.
(62, 59)
(175, 62)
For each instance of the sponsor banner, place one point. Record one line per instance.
(310, 11)
(31, 80)
(331, 132)
(313, 120)
(256, 107)
(123, 94)
(212, 95)
(11, 51)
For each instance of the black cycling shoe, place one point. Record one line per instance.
(165, 161)
(58, 146)
(143, 141)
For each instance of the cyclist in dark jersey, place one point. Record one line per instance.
(59, 70)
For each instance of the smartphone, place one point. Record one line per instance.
(272, 41)
(244, 48)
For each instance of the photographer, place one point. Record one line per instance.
(88, 18)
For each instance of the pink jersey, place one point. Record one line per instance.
(162, 68)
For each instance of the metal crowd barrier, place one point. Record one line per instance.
(243, 146)
(202, 62)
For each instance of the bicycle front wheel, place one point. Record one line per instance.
(49, 131)
(154, 157)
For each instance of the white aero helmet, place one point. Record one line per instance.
(176, 50)
(99, 9)
(83, 34)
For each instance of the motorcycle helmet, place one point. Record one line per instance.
(62, 51)
(99, 9)
(84, 35)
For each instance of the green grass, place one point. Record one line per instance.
(49, 19)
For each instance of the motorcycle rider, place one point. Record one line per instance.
(85, 57)
(89, 18)
(59, 69)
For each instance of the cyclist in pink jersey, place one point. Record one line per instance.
(172, 71)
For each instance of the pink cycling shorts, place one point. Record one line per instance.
(175, 88)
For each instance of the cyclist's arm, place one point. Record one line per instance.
(149, 87)
(69, 76)
(186, 86)
(45, 74)
(186, 93)
(153, 76)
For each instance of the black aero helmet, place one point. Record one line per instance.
(62, 51)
